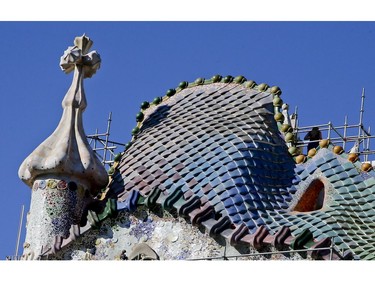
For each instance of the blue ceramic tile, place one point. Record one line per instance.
(338, 169)
(319, 161)
(325, 167)
(231, 209)
(311, 168)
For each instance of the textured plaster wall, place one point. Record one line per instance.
(171, 238)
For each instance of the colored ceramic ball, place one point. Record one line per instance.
(289, 137)
(145, 105)
(183, 84)
(128, 145)
(250, 84)
(216, 78)
(338, 149)
(277, 101)
(353, 157)
(135, 131)
(117, 157)
(157, 100)
(275, 90)
(300, 159)
(239, 79)
(279, 117)
(312, 152)
(171, 92)
(285, 128)
(199, 81)
(263, 87)
(323, 143)
(366, 167)
(293, 150)
(139, 117)
(228, 79)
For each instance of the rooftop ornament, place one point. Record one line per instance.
(63, 171)
(67, 151)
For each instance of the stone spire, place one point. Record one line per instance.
(63, 171)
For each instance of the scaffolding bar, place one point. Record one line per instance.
(361, 111)
(345, 131)
(322, 127)
(105, 146)
(342, 134)
(368, 145)
(107, 137)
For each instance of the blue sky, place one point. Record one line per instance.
(321, 67)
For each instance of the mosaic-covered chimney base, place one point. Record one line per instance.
(56, 209)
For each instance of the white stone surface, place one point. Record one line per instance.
(67, 150)
(130, 229)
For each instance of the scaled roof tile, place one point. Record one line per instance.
(219, 145)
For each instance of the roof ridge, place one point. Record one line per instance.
(301, 158)
(240, 80)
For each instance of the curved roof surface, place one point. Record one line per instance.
(212, 151)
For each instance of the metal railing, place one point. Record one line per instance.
(338, 135)
(355, 134)
(236, 257)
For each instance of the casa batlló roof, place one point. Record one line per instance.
(215, 151)
(219, 152)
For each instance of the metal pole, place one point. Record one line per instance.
(369, 139)
(329, 130)
(367, 145)
(361, 112)
(331, 252)
(96, 133)
(107, 137)
(294, 123)
(19, 230)
(363, 144)
(297, 121)
(345, 128)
